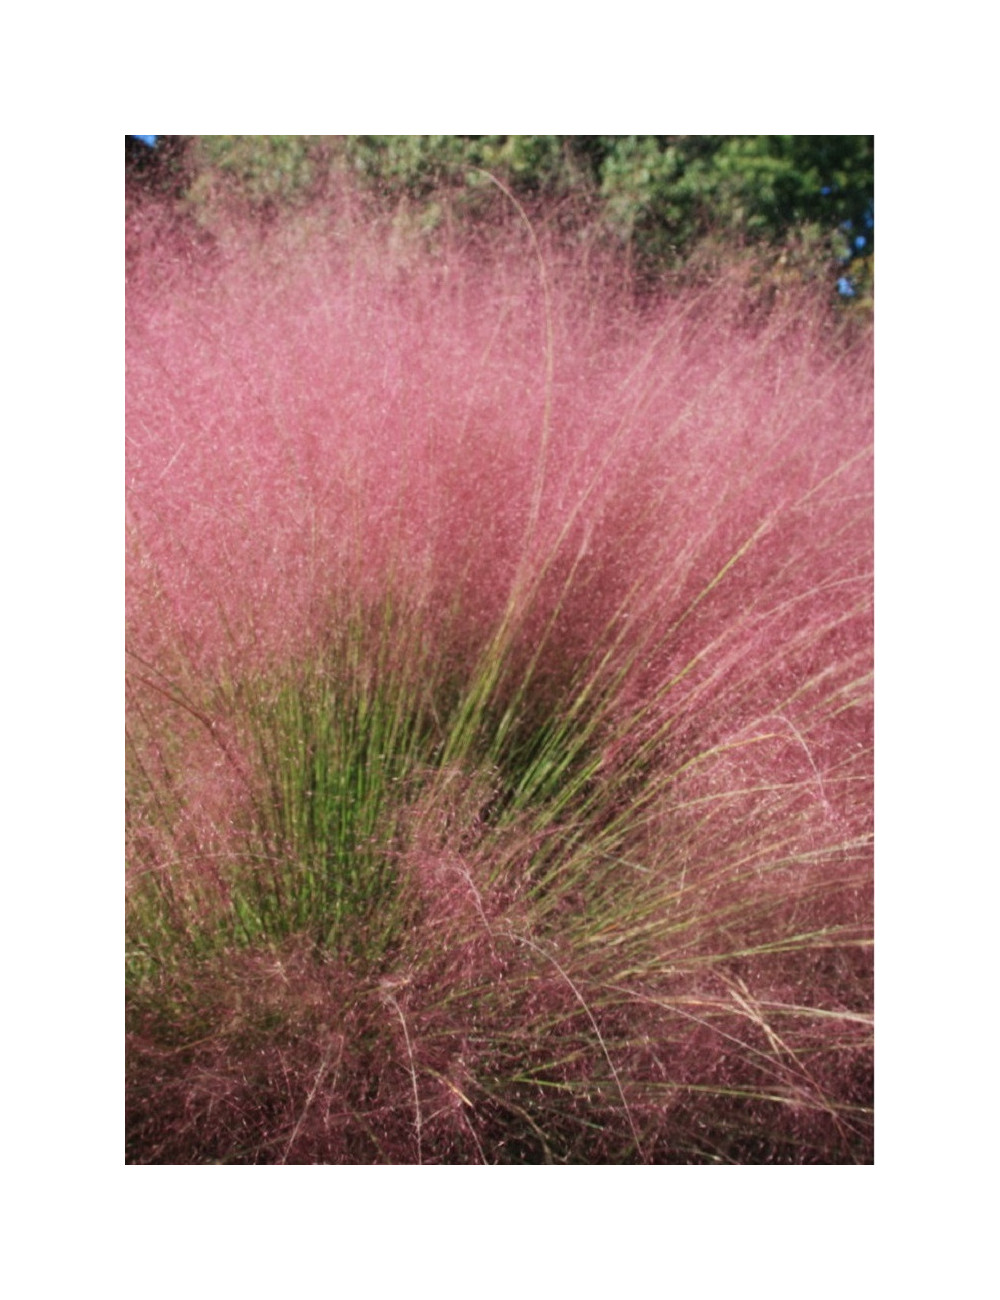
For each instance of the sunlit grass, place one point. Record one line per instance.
(498, 715)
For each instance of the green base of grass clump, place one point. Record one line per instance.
(499, 967)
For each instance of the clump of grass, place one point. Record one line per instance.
(498, 713)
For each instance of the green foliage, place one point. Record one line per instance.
(263, 171)
(665, 194)
(333, 755)
(417, 165)
(665, 199)
(410, 165)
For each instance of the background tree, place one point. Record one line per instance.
(804, 204)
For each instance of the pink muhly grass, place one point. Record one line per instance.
(499, 712)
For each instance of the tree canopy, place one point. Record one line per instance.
(670, 201)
